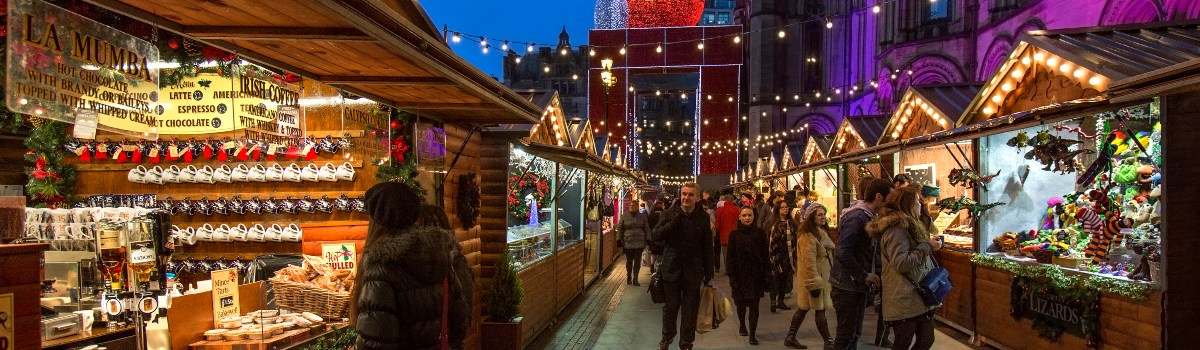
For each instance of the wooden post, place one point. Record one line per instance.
(1180, 196)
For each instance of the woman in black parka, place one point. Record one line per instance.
(406, 267)
(748, 270)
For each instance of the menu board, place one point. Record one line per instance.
(197, 105)
(60, 63)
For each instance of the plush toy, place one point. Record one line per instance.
(1125, 174)
(1118, 143)
(1145, 173)
(1066, 218)
(1048, 218)
(1142, 271)
(1094, 227)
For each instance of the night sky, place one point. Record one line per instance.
(538, 21)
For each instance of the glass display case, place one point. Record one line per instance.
(1083, 194)
(570, 206)
(531, 189)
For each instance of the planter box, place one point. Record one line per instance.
(502, 335)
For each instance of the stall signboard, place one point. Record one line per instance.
(431, 147)
(201, 104)
(925, 174)
(60, 62)
(340, 256)
(7, 335)
(266, 110)
(1050, 308)
(225, 295)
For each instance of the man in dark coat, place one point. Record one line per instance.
(404, 275)
(687, 264)
(853, 267)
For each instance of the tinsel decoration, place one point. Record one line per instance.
(611, 14)
(665, 13)
(469, 199)
(401, 166)
(51, 183)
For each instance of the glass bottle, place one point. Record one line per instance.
(112, 255)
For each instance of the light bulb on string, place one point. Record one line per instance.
(782, 33)
(456, 38)
(530, 47)
(737, 39)
(504, 46)
(828, 24)
(622, 50)
(700, 45)
(875, 9)
(658, 48)
(592, 52)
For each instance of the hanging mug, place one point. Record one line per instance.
(292, 233)
(327, 173)
(154, 175)
(343, 204)
(311, 173)
(270, 206)
(258, 173)
(323, 205)
(274, 233)
(137, 175)
(257, 233)
(345, 172)
(171, 174)
(223, 174)
(220, 206)
(241, 173)
(253, 206)
(275, 172)
(287, 206)
(238, 233)
(204, 233)
(292, 173)
(204, 175)
(188, 174)
(202, 206)
(305, 205)
(221, 234)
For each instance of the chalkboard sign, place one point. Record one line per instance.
(925, 174)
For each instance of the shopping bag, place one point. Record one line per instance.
(658, 292)
(704, 318)
(720, 306)
(645, 257)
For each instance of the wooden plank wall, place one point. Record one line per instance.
(1124, 324)
(958, 305)
(610, 251)
(22, 276)
(468, 238)
(1179, 147)
(493, 229)
(570, 274)
(538, 307)
(12, 153)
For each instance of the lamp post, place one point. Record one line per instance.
(607, 78)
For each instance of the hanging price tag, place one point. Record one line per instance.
(229, 145)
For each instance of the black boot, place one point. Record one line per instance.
(797, 320)
(823, 328)
(664, 345)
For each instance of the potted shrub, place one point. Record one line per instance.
(502, 327)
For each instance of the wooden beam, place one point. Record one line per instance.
(275, 33)
(383, 80)
(449, 106)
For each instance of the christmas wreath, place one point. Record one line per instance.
(517, 186)
(468, 199)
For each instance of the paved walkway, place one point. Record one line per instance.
(615, 316)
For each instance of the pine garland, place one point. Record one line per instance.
(51, 183)
(1129, 290)
(504, 299)
(401, 165)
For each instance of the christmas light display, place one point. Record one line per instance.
(611, 14)
(664, 13)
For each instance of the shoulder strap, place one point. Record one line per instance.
(444, 333)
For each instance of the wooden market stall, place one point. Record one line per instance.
(356, 60)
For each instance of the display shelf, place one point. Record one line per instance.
(530, 243)
(1071, 271)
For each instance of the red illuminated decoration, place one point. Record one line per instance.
(664, 13)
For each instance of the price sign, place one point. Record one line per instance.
(225, 295)
(340, 256)
(7, 323)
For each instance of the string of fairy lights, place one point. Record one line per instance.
(786, 99)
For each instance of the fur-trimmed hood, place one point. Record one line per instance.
(889, 219)
(425, 253)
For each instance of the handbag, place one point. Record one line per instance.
(658, 292)
(444, 333)
(935, 286)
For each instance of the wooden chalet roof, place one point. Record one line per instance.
(385, 50)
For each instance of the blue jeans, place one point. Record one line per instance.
(850, 306)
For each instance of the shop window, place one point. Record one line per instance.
(938, 10)
(570, 205)
(531, 188)
(710, 18)
(1055, 211)
(723, 18)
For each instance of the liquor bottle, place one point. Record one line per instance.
(112, 256)
(142, 255)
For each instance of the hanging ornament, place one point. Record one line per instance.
(173, 43)
(398, 148)
(396, 124)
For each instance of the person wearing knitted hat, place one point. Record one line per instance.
(412, 277)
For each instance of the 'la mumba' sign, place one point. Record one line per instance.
(59, 62)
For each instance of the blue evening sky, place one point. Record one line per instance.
(537, 21)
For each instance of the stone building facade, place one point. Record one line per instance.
(560, 67)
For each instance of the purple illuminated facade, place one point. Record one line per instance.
(860, 61)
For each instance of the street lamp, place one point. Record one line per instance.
(607, 78)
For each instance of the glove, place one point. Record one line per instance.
(815, 293)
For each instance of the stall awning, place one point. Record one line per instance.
(575, 157)
(927, 109)
(857, 133)
(1081, 63)
(387, 51)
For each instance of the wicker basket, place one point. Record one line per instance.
(300, 297)
(1043, 256)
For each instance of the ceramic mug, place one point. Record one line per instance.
(80, 231)
(81, 215)
(204, 233)
(274, 233)
(257, 233)
(292, 233)
(258, 173)
(223, 174)
(241, 173)
(137, 175)
(204, 175)
(311, 173)
(238, 233)
(188, 174)
(327, 173)
(60, 216)
(189, 236)
(292, 173)
(171, 174)
(221, 234)
(275, 172)
(154, 176)
(345, 172)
